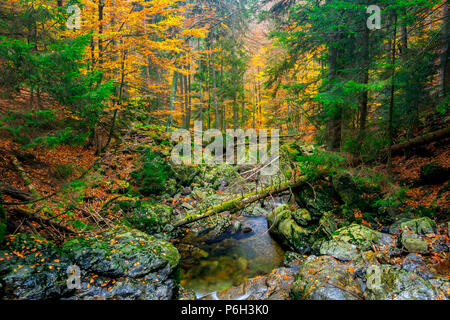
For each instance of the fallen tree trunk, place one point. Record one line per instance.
(353, 160)
(426, 138)
(25, 177)
(15, 193)
(43, 221)
(241, 202)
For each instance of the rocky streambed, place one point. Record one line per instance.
(300, 247)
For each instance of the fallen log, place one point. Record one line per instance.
(15, 193)
(25, 177)
(241, 202)
(426, 138)
(43, 221)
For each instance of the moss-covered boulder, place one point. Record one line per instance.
(122, 252)
(340, 250)
(423, 226)
(284, 227)
(361, 236)
(412, 243)
(124, 263)
(394, 283)
(32, 268)
(325, 278)
(348, 242)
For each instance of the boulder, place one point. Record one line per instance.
(32, 268)
(414, 263)
(274, 286)
(362, 237)
(414, 244)
(393, 283)
(123, 263)
(423, 225)
(340, 250)
(325, 278)
(283, 226)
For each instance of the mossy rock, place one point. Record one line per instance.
(423, 225)
(122, 251)
(325, 278)
(32, 268)
(361, 236)
(283, 225)
(328, 224)
(393, 283)
(340, 250)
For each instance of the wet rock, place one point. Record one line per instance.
(441, 288)
(274, 286)
(395, 283)
(340, 250)
(423, 226)
(246, 230)
(362, 237)
(124, 264)
(293, 260)
(285, 228)
(32, 268)
(325, 278)
(414, 244)
(415, 264)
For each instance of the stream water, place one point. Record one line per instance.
(232, 258)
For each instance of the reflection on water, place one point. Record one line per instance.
(228, 261)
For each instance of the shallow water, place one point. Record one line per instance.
(232, 258)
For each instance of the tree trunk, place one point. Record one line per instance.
(444, 68)
(241, 202)
(391, 100)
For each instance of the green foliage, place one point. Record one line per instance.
(152, 176)
(58, 71)
(318, 159)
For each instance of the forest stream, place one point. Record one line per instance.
(231, 258)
